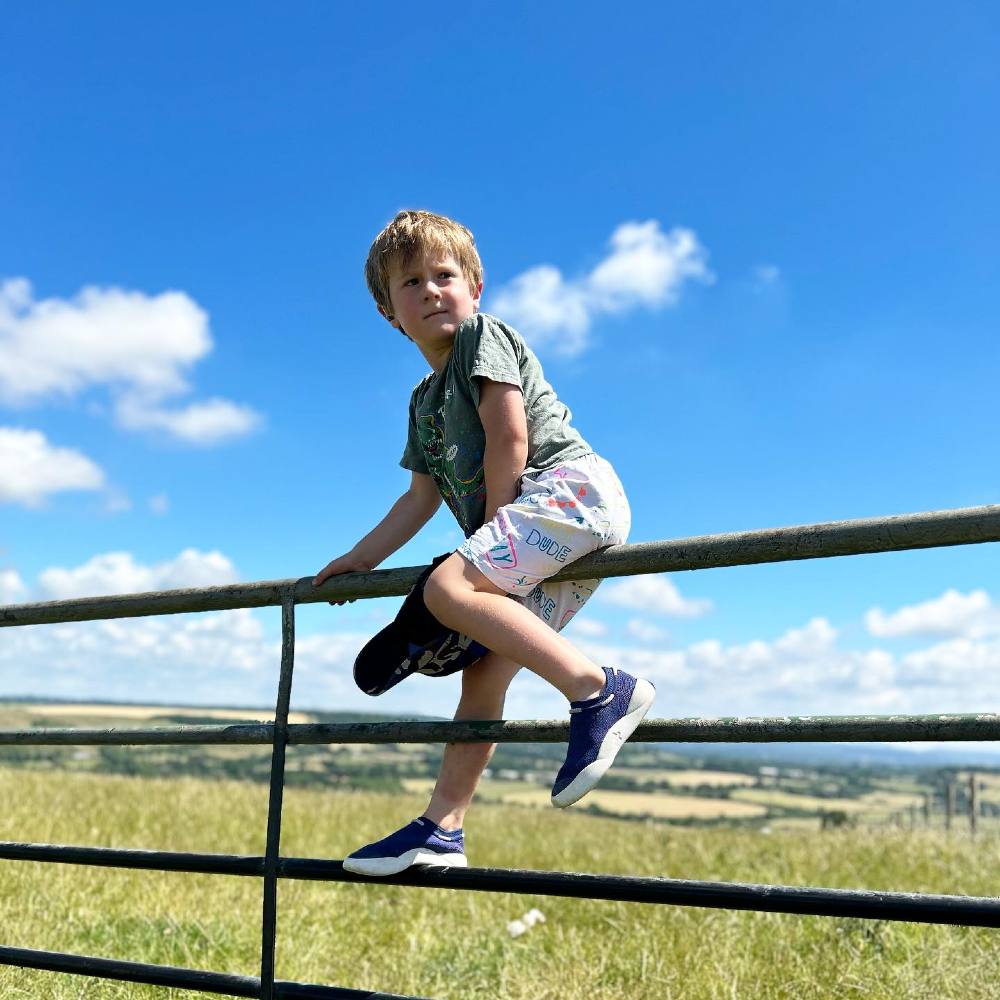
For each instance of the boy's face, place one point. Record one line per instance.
(430, 298)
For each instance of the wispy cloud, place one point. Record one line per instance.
(12, 587)
(207, 423)
(645, 631)
(586, 627)
(971, 615)
(658, 594)
(765, 276)
(159, 504)
(32, 469)
(139, 348)
(803, 670)
(645, 267)
(120, 573)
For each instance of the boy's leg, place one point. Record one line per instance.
(435, 838)
(484, 687)
(603, 713)
(461, 597)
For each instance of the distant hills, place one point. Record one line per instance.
(839, 755)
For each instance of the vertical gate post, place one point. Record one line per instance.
(269, 923)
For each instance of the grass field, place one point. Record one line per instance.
(630, 804)
(688, 778)
(449, 945)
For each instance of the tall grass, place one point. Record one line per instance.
(452, 945)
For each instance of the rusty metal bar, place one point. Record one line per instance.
(786, 729)
(256, 733)
(896, 533)
(132, 972)
(159, 861)
(776, 729)
(224, 984)
(973, 911)
(269, 922)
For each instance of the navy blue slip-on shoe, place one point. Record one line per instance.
(418, 843)
(414, 642)
(597, 729)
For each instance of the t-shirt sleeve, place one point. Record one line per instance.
(492, 353)
(413, 455)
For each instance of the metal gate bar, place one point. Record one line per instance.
(971, 911)
(775, 729)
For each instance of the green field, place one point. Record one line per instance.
(454, 946)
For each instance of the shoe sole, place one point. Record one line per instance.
(639, 704)
(393, 866)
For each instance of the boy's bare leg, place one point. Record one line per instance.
(461, 597)
(484, 686)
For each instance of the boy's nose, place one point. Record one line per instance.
(431, 290)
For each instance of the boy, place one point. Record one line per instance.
(489, 436)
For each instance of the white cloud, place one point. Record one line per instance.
(139, 347)
(586, 626)
(205, 423)
(221, 657)
(11, 586)
(159, 504)
(119, 573)
(956, 663)
(645, 631)
(803, 671)
(645, 267)
(117, 502)
(212, 658)
(953, 613)
(765, 275)
(31, 469)
(653, 593)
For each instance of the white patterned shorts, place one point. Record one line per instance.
(561, 515)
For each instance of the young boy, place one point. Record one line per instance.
(489, 436)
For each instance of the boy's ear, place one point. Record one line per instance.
(390, 318)
(477, 294)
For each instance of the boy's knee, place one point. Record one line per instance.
(439, 592)
(454, 579)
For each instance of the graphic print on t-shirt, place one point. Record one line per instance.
(441, 465)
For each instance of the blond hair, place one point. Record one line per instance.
(413, 233)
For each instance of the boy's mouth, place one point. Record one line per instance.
(437, 312)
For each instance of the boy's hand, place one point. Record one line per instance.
(347, 563)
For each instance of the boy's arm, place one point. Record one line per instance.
(407, 516)
(501, 410)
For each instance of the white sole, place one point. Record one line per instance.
(639, 704)
(393, 866)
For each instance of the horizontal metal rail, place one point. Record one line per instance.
(777, 729)
(221, 983)
(897, 533)
(971, 911)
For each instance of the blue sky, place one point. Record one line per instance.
(196, 388)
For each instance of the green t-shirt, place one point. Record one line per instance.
(446, 437)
